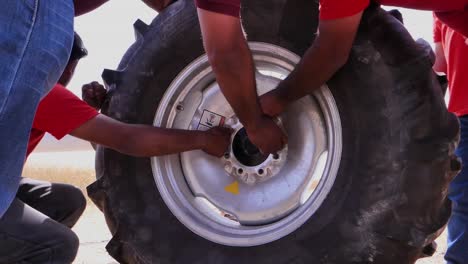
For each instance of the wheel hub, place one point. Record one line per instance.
(245, 151)
(245, 162)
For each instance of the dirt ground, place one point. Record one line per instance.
(94, 236)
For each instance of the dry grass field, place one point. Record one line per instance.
(80, 178)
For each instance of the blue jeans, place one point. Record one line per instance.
(457, 252)
(35, 44)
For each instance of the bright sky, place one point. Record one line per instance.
(108, 32)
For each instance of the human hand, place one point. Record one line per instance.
(94, 94)
(271, 104)
(217, 140)
(267, 135)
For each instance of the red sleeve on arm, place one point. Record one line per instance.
(226, 7)
(61, 112)
(335, 9)
(437, 32)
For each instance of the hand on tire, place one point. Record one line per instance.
(267, 136)
(217, 141)
(94, 94)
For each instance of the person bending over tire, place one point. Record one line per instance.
(451, 49)
(227, 49)
(36, 227)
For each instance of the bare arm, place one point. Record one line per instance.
(232, 62)
(148, 141)
(323, 59)
(440, 64)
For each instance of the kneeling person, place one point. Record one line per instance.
(36, 227)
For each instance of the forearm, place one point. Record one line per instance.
(235, 74)
(148, 141)
(139, 140)
(86, 6)
(317, 66)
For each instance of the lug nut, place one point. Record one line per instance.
(228, 168)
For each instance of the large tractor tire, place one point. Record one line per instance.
(363, 179)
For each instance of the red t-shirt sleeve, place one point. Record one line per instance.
(334, 9)
(226, 7)
(61, 112)
(437, 31)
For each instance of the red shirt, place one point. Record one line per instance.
(455, 48)
(452, 12)
(59, 113)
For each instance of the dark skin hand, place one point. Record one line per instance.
(143, 140)
(94, 94)
(230, 57)
(323, 59)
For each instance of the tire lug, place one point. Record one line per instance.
(455, 164)
(111, 77)
(140, 28)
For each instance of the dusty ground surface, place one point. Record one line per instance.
(438, 257)
(94, 236)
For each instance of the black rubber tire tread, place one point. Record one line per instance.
(389, 200)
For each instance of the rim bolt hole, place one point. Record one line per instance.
(227, 156)
(240, 171)
(180, 107)
(276, 156)
(261, 171)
